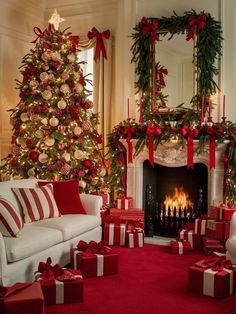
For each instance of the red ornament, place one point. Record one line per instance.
(50, 167)
(87, 163)
(13, 162)
(33, 155)
(69, 135)
(106, 164)
(29, 143)
(158, 131)
(81, 173)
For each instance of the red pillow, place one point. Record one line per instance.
(67, 196)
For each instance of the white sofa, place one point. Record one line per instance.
(20, 256)
(231, 242)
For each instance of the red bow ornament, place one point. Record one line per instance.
(129, 130)
(100, 47)
(217, 263)
(49, 272)
(93, 247)
(40, 34)
(191, 133)
(149, 29)
(195, 23)
(160, 75)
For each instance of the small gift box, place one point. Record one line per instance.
(94, 259)
(105, 197)
(215, 229)
(59, 286)
(134, 238)
(215, 277)
(22, 298)
(114, 233)
(125, 203)
(189, 235)
(225, 212)
(180, 247)
(200, 226)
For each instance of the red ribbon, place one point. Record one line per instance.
(150, 133)
(160, 75)
(196, 22)
(149, 28)
(191, 134)
(212, 148)
(93, 247)
(94, 33)
(4, 291)
(49, 272)
(215, 263)
(129, 130)
(40, 34)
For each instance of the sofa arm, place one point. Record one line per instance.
(3, 258)
(92, 203)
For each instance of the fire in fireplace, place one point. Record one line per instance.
(178, 199)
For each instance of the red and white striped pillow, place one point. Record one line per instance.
(37, 204)
(11, 222)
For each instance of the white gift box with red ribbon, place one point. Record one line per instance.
(134, 238)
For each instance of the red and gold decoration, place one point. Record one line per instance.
(100, 47)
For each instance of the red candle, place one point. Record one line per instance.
(202, 109)
(224, 107)
(140, 110)
(128, 110)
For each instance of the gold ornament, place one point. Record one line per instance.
(53, 121)
(44, 121)
(34, 84)
(39, 133)
(77, 130)
(47, 94)
(66, 156)
(71, 57)
(61, 104)
(43, 76)
(20, 141)
(46, 56)
(103, 172)
(55, 55)
(50, 141)
(79, 88)
(43, 158)
(24, 117)
(31, 172)
(65, 88)
(51, 77)
(79, 154)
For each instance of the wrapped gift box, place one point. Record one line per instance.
(125, 203)
(200, 226)
(226, 213)
(217, 284)
(137, 212)
(94, 265)
(114, 234)
(214, 212)
(27, 299)
(226, 230)
(105, 197)
(62, 292)
(189, 235)
(215, 229)
(134, 238)
(180, 247)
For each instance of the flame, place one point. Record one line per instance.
(179, 199)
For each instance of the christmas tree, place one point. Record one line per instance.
(54, 127)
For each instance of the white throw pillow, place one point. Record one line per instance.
(38, 203)
(11, 222)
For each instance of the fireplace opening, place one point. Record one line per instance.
(173, 196)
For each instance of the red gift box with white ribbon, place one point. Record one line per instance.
(189, 235)
(226, 213)
(134, 238)
(180, 247)
(218, 280)
(114, 233)
(200, 226)
(214, 212)
(59, 285)
(125, 203)
(94, 265)
(22, 298)
(105, 197)
(215, 229)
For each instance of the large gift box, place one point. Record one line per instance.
(215, 277)
(94, 259)
(134, 238)
(180, 247)
(22, 298)
(200, 226)
(215, 229)
(125, 203)
(226, 213)
(189, 235)
(105, 197)
(59, 286)
(114, 233)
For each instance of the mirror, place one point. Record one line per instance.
(176, 55)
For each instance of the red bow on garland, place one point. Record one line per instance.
(149, 29)
(191, 133)
(40, 34)
(160, 75)
(196, 22)
(100, 47)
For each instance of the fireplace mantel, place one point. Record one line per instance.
(171, 154)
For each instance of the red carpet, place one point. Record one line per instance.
(150, 280)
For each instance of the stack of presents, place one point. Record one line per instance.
(213, 276)
(122, 226)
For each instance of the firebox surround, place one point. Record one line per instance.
(171, 154)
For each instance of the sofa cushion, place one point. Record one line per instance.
(10, 220)
(38, 203)
(71, 225)
(67, 196)
(33, 239)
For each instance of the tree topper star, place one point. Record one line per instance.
(55, 20)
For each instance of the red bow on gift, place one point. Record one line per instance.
(93, 247)
(40, 34)
(49, 272)
(149, 28)
(160, 75)
(100, 47)
(215, 263)
(196, 22)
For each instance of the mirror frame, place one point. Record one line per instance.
(206, 34)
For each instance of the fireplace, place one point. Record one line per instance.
(171, 155)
